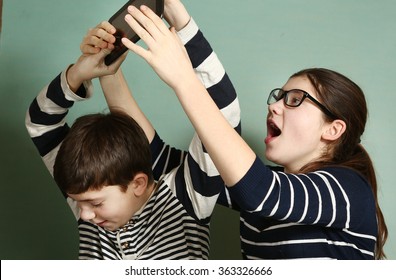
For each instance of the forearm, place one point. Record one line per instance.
(119, 97)
(211, 72)
(46, 117)
(229, 152)
(176, 14)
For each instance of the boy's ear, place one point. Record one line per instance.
(139, 184)
(334, 130)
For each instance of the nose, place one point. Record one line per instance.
(87, 214)
(277, 107)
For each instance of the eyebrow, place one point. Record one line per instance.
(88, 200)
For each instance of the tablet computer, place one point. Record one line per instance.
(124, 30)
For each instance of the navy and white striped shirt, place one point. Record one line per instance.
(174, 223)
(326, 214)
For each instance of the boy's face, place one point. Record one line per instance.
(110, 207)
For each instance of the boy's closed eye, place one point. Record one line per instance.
(97, 204)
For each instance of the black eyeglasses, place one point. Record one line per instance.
(294, 98)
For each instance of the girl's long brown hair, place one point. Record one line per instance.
(346, 100)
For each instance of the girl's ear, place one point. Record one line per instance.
(139, 184)
(334, 130)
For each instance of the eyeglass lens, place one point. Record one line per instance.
(292, 98)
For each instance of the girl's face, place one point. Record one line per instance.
(109, 207)
(294, 135)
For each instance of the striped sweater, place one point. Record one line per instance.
(174, 223)
(326, 214)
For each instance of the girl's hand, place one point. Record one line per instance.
(165, 52)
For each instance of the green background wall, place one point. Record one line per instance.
(260, 42)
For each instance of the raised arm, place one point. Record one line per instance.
(46, 117)
(167, 56)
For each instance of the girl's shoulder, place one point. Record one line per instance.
(343, 172)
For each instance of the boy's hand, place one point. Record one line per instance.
(98, 38)
(91, 66)
(95, 46)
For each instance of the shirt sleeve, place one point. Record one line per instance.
(46, 117)
(196, 181)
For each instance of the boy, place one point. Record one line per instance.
(122, 213)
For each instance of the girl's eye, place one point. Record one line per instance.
(97, 204)
(295, 101)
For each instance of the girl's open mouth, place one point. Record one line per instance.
(273, 131)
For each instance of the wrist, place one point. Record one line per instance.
(176, 14)
(110, 77)
(73, 78)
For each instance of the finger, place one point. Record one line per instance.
(99, 41)
(135, 48)
(107, 26)
(92, 45)
(103, 53)
(100, 57)
(160, 25)
(116, 64)
(88, 49)
(99, 37)
(105, 32)
(141, 24)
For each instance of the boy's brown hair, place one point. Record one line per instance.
(101, 150)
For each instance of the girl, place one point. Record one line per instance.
(323, 202)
